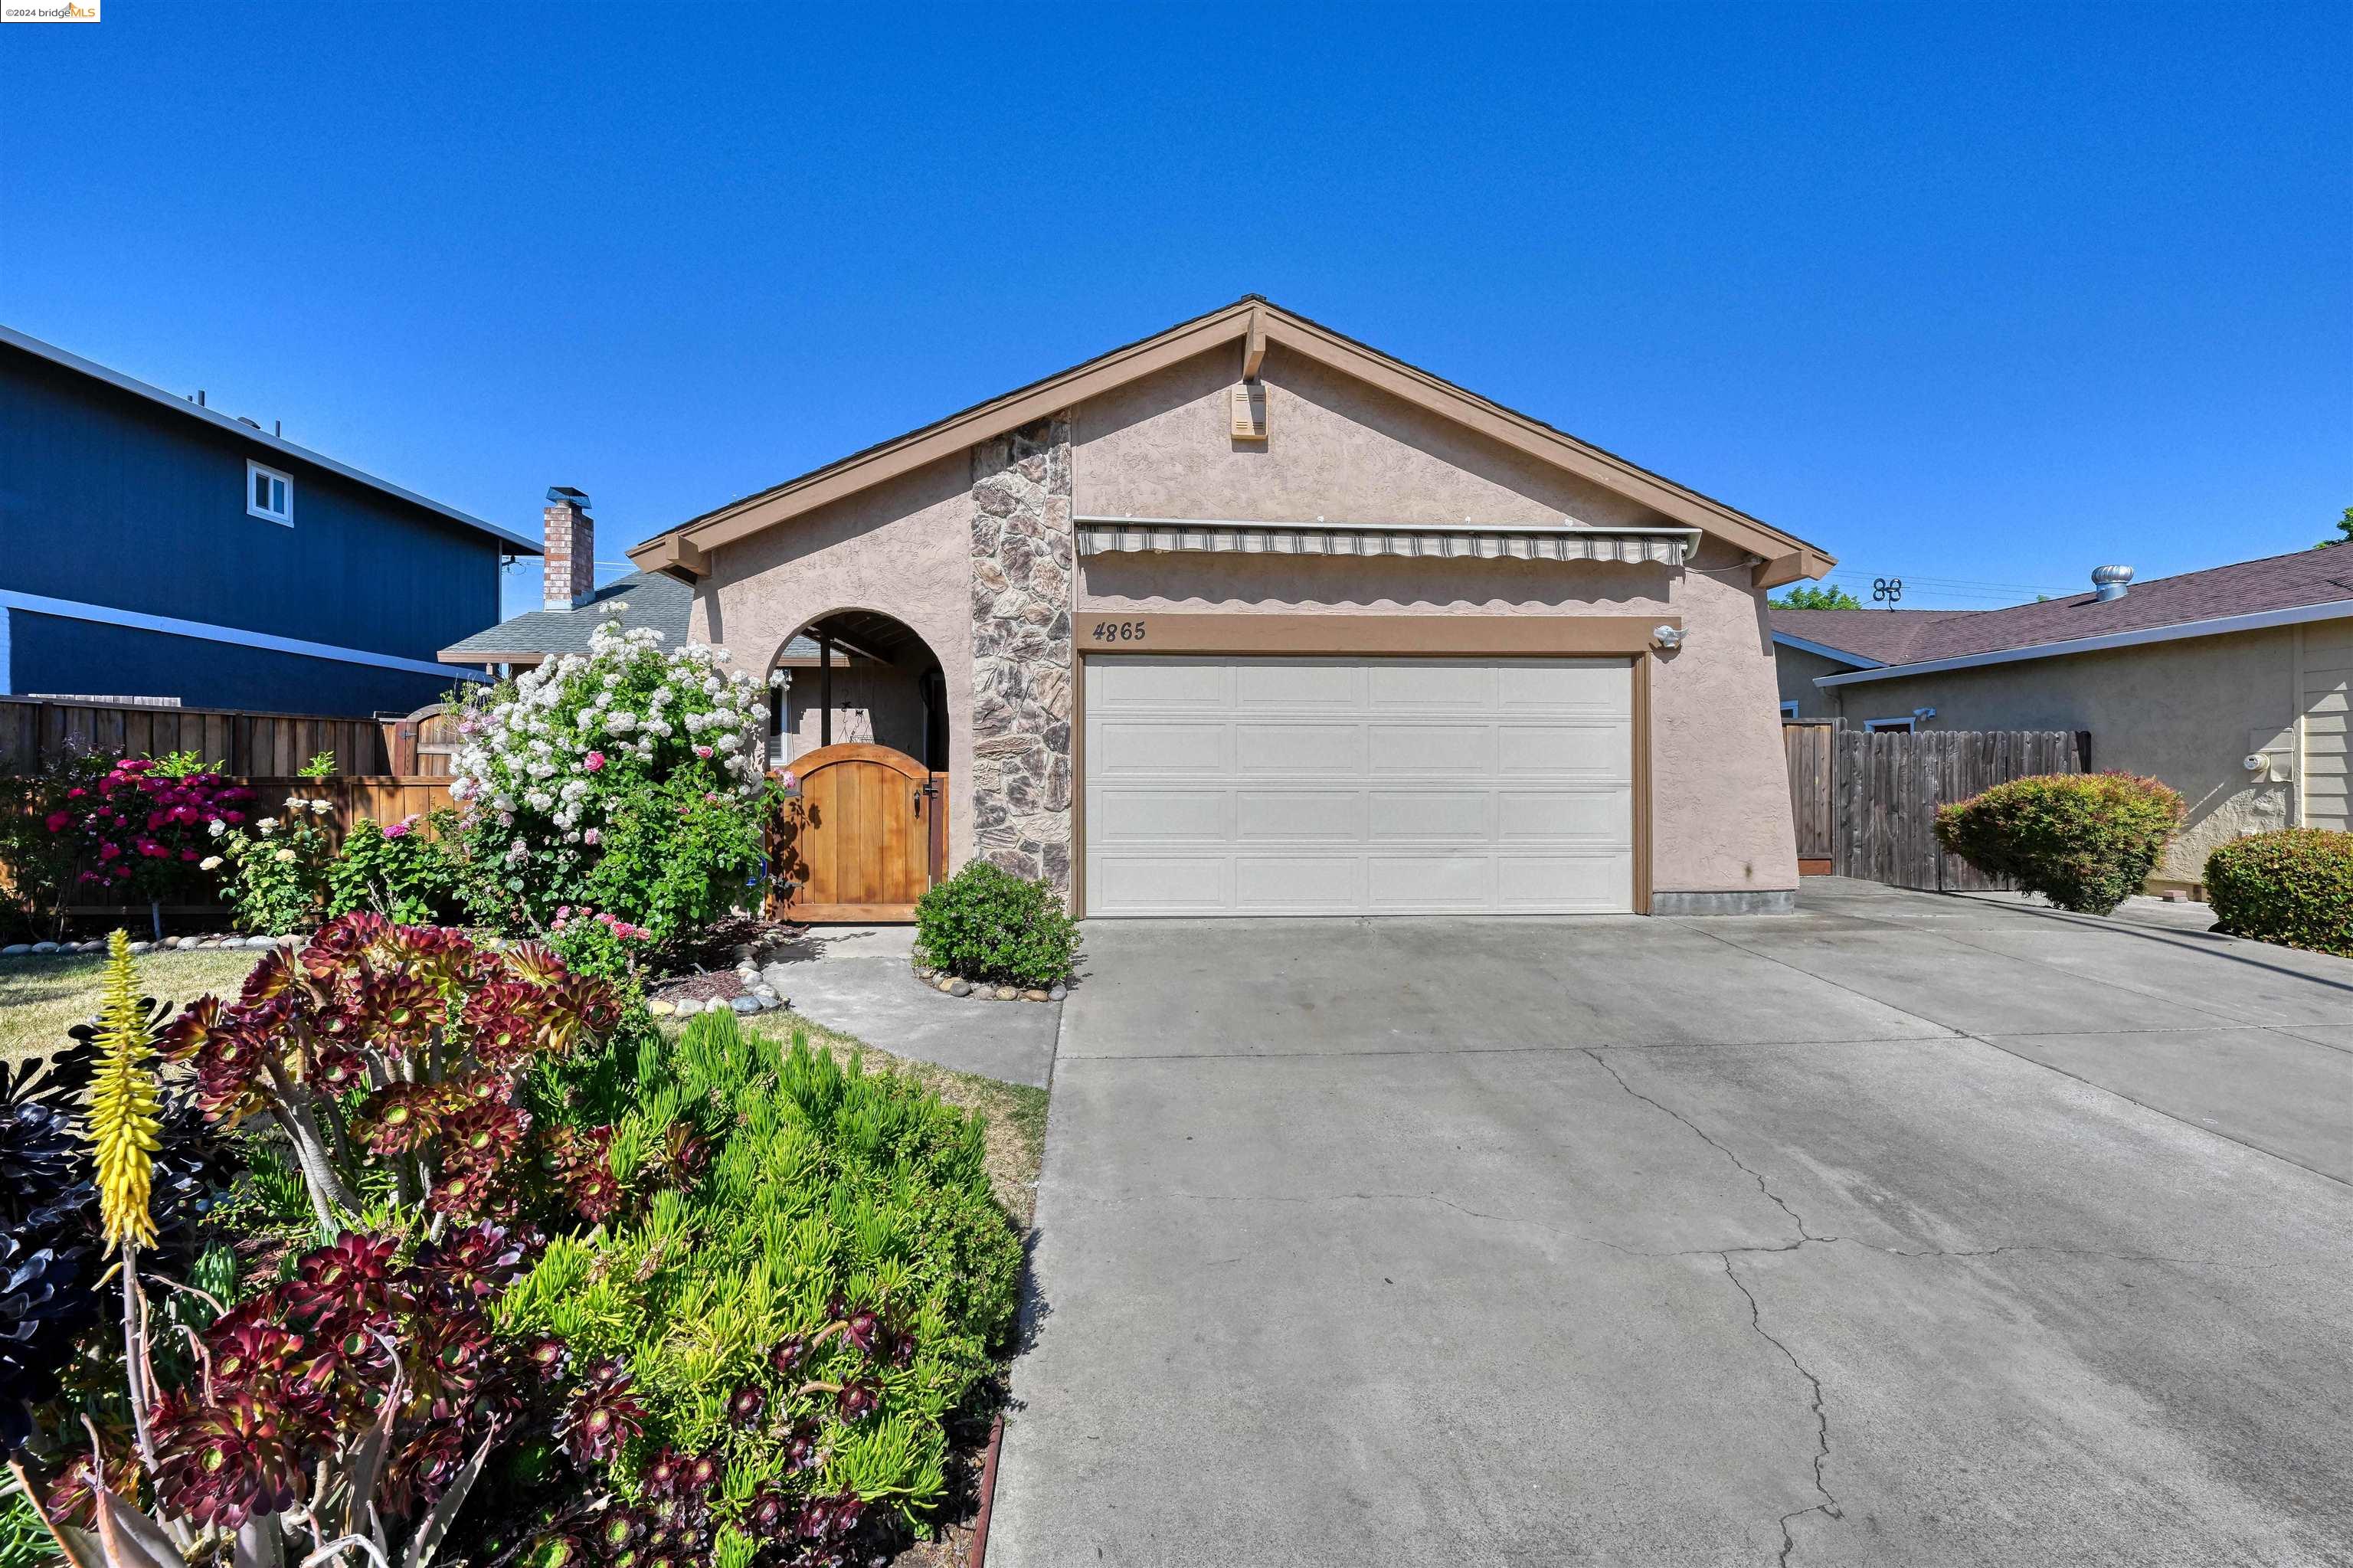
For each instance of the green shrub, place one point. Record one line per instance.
(2084, 841)
(987, 924)
(408, 872)
(2295, 886)
(814, 1308)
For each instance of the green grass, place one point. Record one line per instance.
(1013, 1115)
(41, 997)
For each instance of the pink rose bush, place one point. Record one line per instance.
(147, 825)
(627, 780)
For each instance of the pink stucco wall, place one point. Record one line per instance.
(1344, 451)
(901, 548)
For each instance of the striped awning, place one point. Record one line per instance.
(1451, 542)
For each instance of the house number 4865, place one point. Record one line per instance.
(1118, 632)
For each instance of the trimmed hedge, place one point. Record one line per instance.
(987, 924)
(2084, 841)
(2293, 886)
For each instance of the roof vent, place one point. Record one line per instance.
(2110, 582)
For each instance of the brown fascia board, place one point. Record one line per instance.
(683, 551)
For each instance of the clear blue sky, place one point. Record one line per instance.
(1982, 295)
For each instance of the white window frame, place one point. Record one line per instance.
(252, 509)
(1907, 723)
(1789, 709)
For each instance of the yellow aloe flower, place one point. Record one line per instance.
(125, 1115)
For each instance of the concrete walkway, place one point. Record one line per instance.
(1905, 1230)
(858, 979)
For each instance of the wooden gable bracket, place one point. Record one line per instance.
(1254, 343)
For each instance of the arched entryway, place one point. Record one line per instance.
(858, 717)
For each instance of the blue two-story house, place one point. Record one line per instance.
(153, 548)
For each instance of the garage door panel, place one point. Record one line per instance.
(1432, 748)
(1590, 750)
(1129, 884)
(1307, 749)
(1156, 684)
(1303, 786)
(1465, 816)
(1449, 686)
(1144, 815)
(1565, 882)
(1298, 884)
(1402, 884)
(1602, 690)
(1264, 816)
(1327, 686)
(1128, 746)
(1544, 816)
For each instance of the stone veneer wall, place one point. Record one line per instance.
(1023, 557)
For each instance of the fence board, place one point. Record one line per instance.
(1887, 785)
(38, 730)
(1805, 744)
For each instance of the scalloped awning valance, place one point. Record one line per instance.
(1444, 541)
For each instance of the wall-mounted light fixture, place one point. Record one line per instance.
(1668, 637)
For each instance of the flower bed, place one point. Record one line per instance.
(504, 1270)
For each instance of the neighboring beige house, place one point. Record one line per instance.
(2228, 684)
(1250, 618)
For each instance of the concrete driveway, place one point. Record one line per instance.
(1905, 1230)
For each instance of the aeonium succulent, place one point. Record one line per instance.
(397, 1046)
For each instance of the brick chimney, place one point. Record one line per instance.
(571, 557)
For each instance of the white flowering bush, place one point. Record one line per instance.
(628, 780)
(275, 875)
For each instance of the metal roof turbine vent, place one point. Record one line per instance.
(2110, 582)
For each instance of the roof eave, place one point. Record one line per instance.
(2212, 626)
(1824, 650)
(683, 552)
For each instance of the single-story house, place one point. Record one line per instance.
(161, 550)
(1250, 618)
(2230, 685)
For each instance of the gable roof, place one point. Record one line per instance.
(2310, 585)
(252, 435)
(1253, 321)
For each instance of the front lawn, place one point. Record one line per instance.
(41, 997)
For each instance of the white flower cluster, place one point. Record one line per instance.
(551, 755)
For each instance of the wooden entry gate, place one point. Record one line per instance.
(866, 837)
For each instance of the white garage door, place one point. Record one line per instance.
(1300, 786)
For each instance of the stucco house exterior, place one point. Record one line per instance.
(2230, 685)
(1249, 617)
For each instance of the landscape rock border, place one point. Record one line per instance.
(760, 970)
(209, 942)
(955, 985)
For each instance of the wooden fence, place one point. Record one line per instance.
(1879, 793)
(34, 730)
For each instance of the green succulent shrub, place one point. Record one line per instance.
(409, 871)
(2084, 841)
(987, 924)
(2293, 886)
(812, 1311)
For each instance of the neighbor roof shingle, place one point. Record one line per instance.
(1918, 636)
(652, 600)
